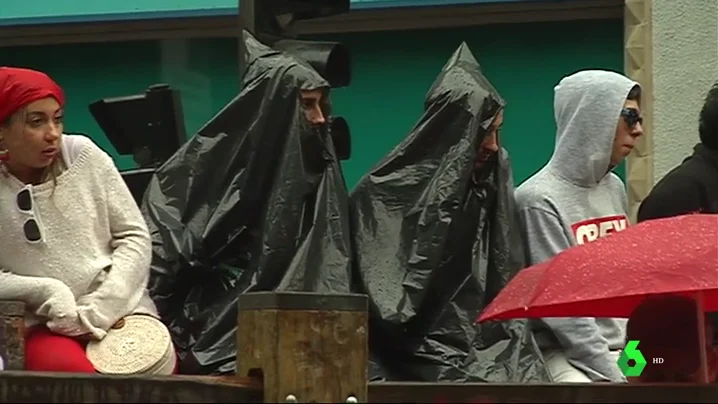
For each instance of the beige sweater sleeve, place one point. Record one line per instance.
(31, 290)
(125, 282)
(46, 297)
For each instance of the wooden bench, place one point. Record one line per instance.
(296, 347)
(307, 348)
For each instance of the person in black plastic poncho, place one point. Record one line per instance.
(254, 201)
(435, 237)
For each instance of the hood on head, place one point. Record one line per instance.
(462, 99)
(462, 82)
(441, 150)
(587, 107)
(292, 72)
(250, 138)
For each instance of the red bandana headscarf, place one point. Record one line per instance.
(19, 87)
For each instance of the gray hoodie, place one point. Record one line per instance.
(575, 199)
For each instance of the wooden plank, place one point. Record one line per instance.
(12, 334)
(307, 345)
(540, 393)
(36, 387)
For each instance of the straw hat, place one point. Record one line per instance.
(142, 346)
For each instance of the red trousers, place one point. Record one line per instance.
(49, 352)
(46, 351)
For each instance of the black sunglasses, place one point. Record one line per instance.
(632, 117)
(31, 227)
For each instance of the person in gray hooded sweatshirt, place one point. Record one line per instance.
(575, 199)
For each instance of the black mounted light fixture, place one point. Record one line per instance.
(148, 126)
(270, 21)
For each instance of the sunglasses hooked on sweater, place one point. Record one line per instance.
(31, 227)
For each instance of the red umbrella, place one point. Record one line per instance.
(609, 277)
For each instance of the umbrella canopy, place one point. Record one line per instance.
(609, 277)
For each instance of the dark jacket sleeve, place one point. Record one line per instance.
(680, 196)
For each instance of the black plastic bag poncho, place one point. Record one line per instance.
(254, 201)
(435, 242)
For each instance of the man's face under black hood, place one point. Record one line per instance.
(316, 109)
(292, 86)
(315, 104)
(465, 101)
(487, 153)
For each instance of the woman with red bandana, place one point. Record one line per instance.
(73, 244)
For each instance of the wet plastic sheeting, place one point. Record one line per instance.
(436, 240)
(254, 201)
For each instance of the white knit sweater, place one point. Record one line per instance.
(92, 267)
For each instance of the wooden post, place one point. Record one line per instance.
(12, 334)
(308, 347)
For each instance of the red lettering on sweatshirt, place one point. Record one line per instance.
(593, 229)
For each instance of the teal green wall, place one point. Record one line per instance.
(16, 12)
(13, 9)
(392, 72)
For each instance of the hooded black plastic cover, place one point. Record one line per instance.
(254, 201)
(435, 241)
